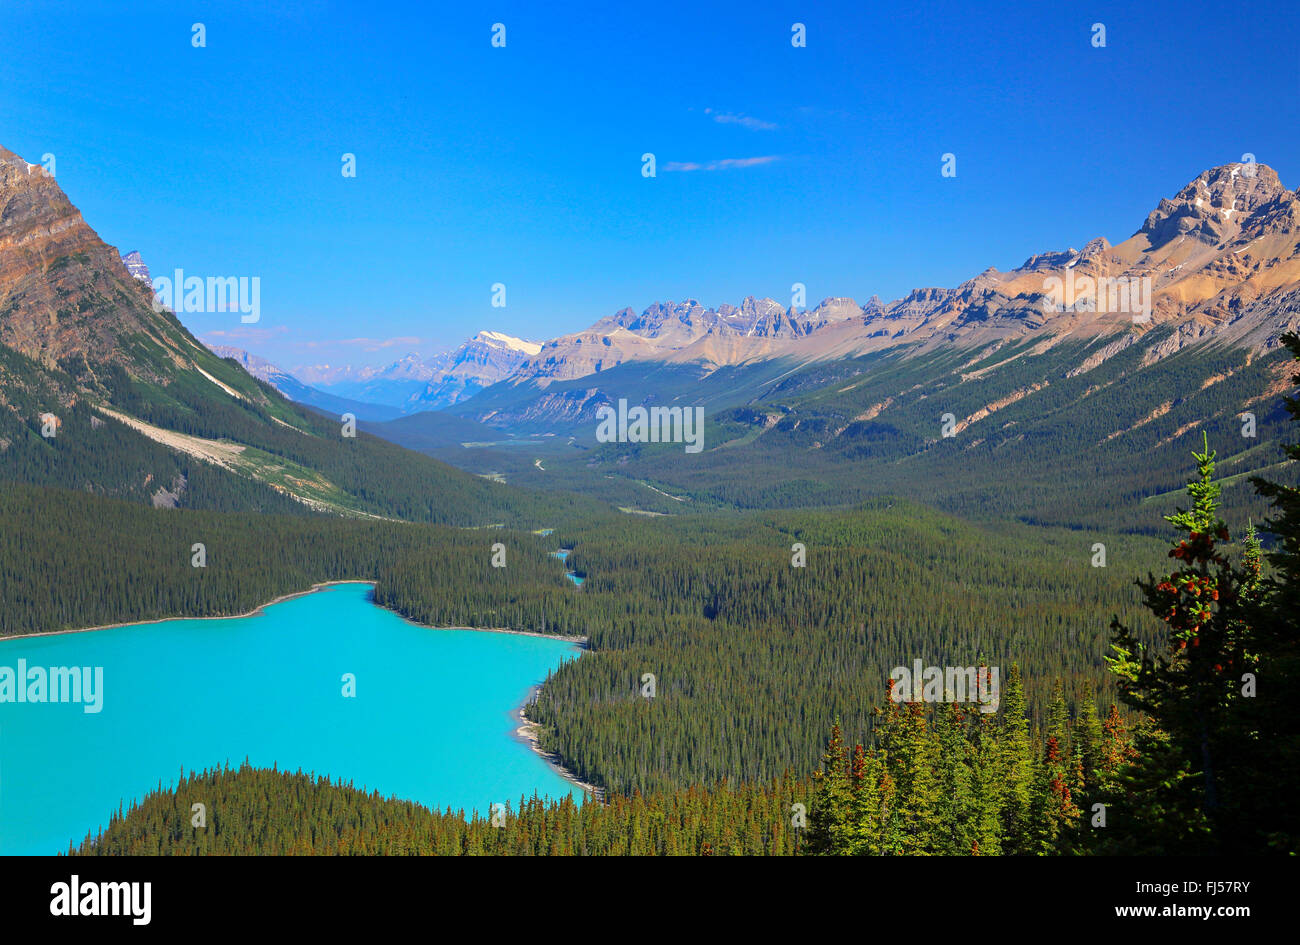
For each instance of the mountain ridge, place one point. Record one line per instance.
(1220, 260)
(102, 391)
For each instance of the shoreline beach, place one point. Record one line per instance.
(527, 732)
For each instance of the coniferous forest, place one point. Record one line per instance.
(1163, 728)
(751, 429)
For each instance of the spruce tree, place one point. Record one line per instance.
(1181, 794)
(829, 819)
(957, 826)
(1016, 767)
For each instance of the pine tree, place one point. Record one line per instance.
(911, 751)
(866, 829)
(1088, 737)
(988, 786)
(1055, 814)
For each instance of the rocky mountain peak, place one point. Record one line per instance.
(760, 308)
(1216, 205)
(1065, 258)
(135, 265)
(63, 291)
(873, 306)
(836, 308)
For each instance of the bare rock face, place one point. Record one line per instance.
(1051, 260)
(63, 291)
(1067, 258)
(873, 306)
(1215, 206)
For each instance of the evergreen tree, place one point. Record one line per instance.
(957, 828)
(911, 751)
(1269, 811)
(1016, 763)
(1184, 784)
(829, 819)
(1088, 738)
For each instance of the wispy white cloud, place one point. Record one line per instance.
(223, 335)
(746, 121)
(246, 335)
(725, 164)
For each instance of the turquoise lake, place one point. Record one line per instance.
(432, 720)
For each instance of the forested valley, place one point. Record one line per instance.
(768, 633)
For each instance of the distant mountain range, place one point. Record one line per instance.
(1217, 261)
(408, 385)
(1122, 352)
(485, 359)
(296, 390)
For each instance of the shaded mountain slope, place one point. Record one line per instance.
(101, 393)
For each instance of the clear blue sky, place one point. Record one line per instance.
(522, 165)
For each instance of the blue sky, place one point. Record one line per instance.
(522, 165)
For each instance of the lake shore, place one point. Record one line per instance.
(528, 732)
(580, 642)
(145, 623)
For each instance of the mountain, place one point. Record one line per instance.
(680, 331)
(488, 357)
(260, 368)
(134, 263)
(64, 294)
(1028, 394)
(1219, 261)
(391, 385)
(413, 383)
(301, 393)
(101, 393)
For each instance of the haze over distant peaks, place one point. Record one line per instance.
(417, 383)
(485, 359)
